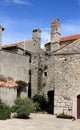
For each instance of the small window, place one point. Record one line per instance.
(45, 74)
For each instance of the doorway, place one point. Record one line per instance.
(50, 109)
(78, 106)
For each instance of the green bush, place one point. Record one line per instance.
(41, 102)
(13, 108)
(37, 107)
(24, 106)
(5, 112)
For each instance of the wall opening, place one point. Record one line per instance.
(50, 109)
(78, 106)
(29, 85)
(45, 74)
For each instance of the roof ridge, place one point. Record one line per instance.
(66, 45)
(16, 44)
(72, 37)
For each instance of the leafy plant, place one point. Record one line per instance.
(13, 108)
(24, 106)
(37, 107)
(41, 102)
(5, 112)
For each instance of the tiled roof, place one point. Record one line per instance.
(65, 45)
(70, 38)
(16, 44)
(8, 83)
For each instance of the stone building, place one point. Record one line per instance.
(53, 71)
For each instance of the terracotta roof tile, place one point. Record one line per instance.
(8, 83)
(70, 38)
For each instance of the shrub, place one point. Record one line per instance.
(41, 102)
(65, 116)
(24, 106)
(5, 112)
(37, 107)
(13, 108)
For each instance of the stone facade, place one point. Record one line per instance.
(53, 72)
(14, 65)
(8, 95)
(67, 82)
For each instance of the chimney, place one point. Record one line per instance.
(1, 29)
(55, 31)
(55, 35)
(36, 35)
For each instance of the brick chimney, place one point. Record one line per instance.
(1, 29)
(36, 35)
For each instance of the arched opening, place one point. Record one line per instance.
(78, 106)
(50, 109)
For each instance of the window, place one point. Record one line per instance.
(45, 74)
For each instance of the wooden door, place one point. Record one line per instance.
(78, 106)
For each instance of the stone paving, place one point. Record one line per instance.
(40, 122)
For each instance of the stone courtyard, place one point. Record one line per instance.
(40, 122)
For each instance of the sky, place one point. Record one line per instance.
(20, 17)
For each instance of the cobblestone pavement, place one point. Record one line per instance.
(40, 122)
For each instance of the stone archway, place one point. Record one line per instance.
(50, 102)
(78, 106)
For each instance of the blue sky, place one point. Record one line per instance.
(20, 17)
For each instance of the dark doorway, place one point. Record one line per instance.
(78, 106)
(29, 90)
(29, 85)
(50, 109)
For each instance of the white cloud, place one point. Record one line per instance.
(20, 2)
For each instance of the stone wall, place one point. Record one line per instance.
(67, 83)
(48, 73)
(42, 70)
(31, 46)
(8, 95)
(34, 73)
(14, 65)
